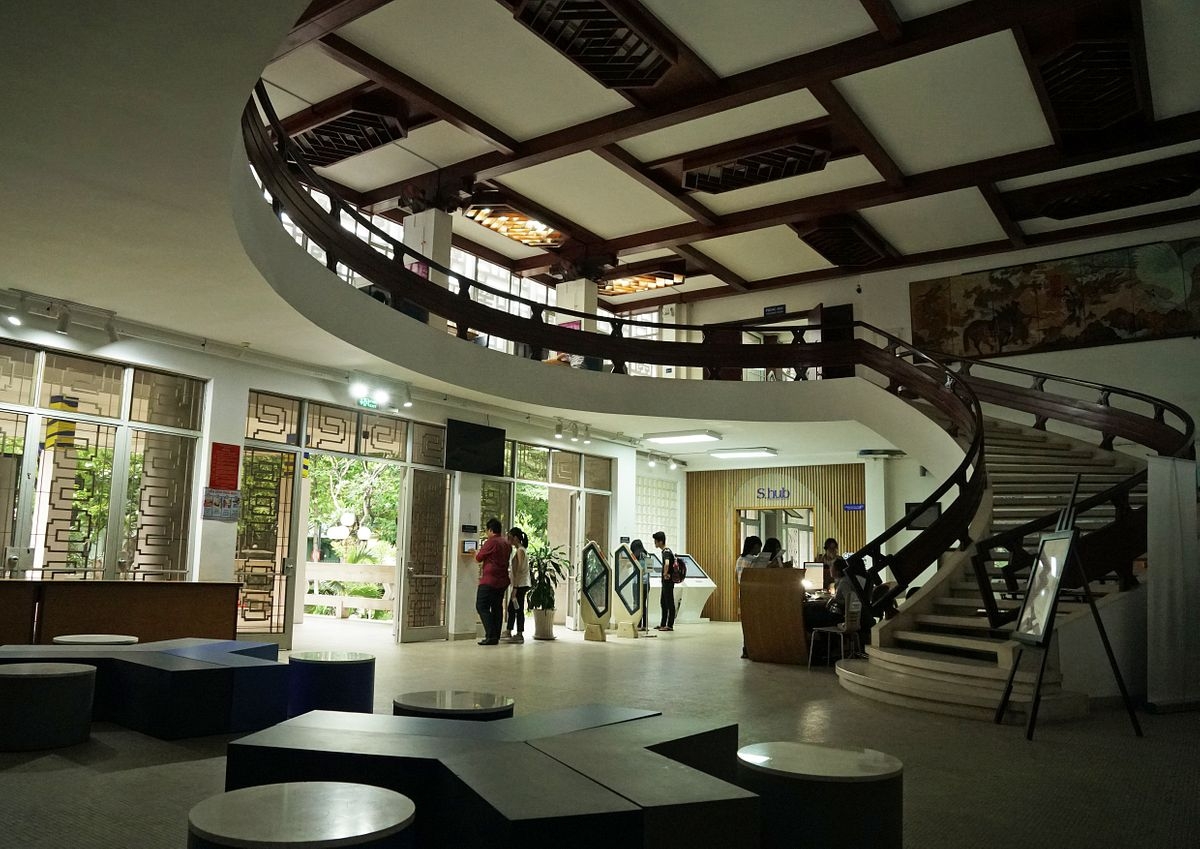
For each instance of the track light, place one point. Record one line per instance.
(380, 396)
(558, 430)
(587, 434)
(359, 389)
(574, 431)
(14, 319)
(652, 462)
(672, 465)
(110, 327)
(63, 327)
(17, 317)
(407, 397)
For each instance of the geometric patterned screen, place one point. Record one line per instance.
(158, 505)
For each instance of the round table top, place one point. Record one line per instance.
(331, 657)
(456, 701)
(806, 760)
(45, 670)
(301, 814)
(95, 639)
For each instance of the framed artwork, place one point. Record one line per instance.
(1125, 295)
(1034, 624)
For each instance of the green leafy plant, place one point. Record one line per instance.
(547, 566)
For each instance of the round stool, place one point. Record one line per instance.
(95, 640)
(303, 814)
(331, 680)
(45, 705)
(453, 704)
(822, 797)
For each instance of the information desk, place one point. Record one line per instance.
(148, 610)
(772, 602)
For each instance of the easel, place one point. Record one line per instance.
(1065, 529)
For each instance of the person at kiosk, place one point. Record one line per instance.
(670, 577)
(493, 581)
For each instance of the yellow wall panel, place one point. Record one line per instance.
(713, 499)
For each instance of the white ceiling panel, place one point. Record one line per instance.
(285, 104)
(311, 75)
(587, 190)
(638, 257)
(481, 235)
(442, 144)
(791, 108)
(1172, 30)
(959, 104)
(763, 253)
(474, 53)
(909, 9)
(376, 168)
(1046, 225)
(939, 221)
(1098, 167)
(839, 174)
(733, 37)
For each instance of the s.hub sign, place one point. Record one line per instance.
(773, 494)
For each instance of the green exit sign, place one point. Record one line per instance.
(368, 402)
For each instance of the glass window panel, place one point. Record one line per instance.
(595, 520)
(264, 539)
(533, 513)
(533, 462)
(158, 507)
(272, 418)
(74, 479)
(384, 436)
(429, 445)
(86, 386)
(331, 429)
(597, 472)
(166, 399)
(509, 450)
(494, 500)
(564, 467)
(462, 263)
(12, 450)
(425, 593)
(17, 367)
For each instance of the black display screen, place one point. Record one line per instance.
(474, 448)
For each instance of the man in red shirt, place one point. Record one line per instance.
(493, 581)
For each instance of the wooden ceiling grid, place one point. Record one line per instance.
(1086, 61)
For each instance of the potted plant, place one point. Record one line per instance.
(546, 567)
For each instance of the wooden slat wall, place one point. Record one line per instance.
(713, 499)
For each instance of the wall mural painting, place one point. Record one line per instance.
(1132, 294)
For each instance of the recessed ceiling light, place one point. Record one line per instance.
(682, 437)
(741, 453)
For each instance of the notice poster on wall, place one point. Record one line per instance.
(224, 466)
(223, 505)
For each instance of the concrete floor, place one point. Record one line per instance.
(1088, 783)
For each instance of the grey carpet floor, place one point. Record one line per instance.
(1085, 783)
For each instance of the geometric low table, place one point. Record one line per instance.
(453, 704)
(45, 705)
(331, 680)
(302, 814)
(823, 797)
(95, 640)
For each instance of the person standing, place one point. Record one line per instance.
(518, 568)
(666, 598)
(493, 580)
(643, 560)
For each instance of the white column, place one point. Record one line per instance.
(428, 233)
(580, 295)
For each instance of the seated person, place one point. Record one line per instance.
(821, 614)
(772, 554)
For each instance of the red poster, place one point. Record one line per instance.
(224, 467)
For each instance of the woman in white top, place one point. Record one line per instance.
(748, 559)
(518, 573)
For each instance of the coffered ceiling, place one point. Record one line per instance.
(757, 144)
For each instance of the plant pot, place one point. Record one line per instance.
(543, 624)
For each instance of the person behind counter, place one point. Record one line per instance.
(751, 548)
(772, 553)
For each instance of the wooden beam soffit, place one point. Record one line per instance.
(1039, 85)
(323, 17)
(887, 21)
(848, 122)
(374, 69)
(996, 204)
(628, 164)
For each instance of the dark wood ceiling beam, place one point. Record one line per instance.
(345, 102)
(729, 278)
(848, 122)
(323, 17)
(1039, 84)
(673, 265)
(811, 131)
(887, 21)
(1016, 236)
(374, 69)
(1141, 68)
(631, 167)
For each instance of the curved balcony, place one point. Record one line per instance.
(951, 392)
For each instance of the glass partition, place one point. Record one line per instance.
(596, 576)
(628, 578)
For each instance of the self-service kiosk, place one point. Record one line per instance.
(690, 596)
(629, 580)
(595, 591)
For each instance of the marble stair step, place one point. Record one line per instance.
(952, 642)
(952, 603)
(965, 623)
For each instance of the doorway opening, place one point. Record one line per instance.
(792, 526)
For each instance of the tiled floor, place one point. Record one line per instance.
(1089, 783)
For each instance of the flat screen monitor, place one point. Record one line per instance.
(925, 518)
(474, 448)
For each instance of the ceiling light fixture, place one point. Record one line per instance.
(741, 453)
(558, 430)
(587, 434)
(14, 319)
(651, 462)
(110, 327)
(682, 437)
(518, 226)
(380, 396)
(63, 327)
(359, 389)
(574, 431)
(673, 465)
(407, 397)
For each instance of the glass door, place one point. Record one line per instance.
(265, 555)
(423, 593)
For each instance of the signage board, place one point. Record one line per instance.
(777, 309)
(854, 508)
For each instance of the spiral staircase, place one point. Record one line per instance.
(949, 649)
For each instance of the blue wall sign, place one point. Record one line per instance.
(854, 508)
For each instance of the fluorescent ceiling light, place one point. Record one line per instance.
(739, 453)
(681, 437)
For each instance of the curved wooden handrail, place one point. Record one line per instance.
(289, 181)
